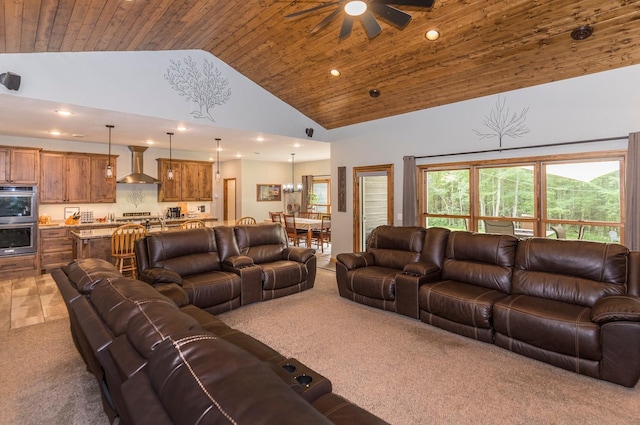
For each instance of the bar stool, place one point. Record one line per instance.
(192, 224)
(122, 242)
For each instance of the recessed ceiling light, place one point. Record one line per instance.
(335, 72)
(238, 155)
(582, 33)
(296, 145)
(78, 135)
(55, 133)
(432, 35)
(181, 128)
(260, 139)
(64, 113)
(150, 142)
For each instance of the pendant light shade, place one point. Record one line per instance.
(217, 160)
(170, 171)
(109, 171)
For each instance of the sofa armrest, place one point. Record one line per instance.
(158, 276)
(421, 268)
(238, 261)
(354, 260)
(295, 253)
(616, 308)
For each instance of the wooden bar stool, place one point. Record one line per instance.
(192, 224)
(122, 243)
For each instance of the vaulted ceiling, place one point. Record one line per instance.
(486, 46)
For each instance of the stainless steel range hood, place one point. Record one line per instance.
(137, 162)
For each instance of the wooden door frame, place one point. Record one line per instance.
(225, 197)
(388, 168)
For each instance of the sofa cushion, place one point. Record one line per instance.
(84, 273)
(282, 274)
(394, 247)
(119, 300)
(210, 289)
(576, 272)
(185, 252)
(552, 325)
(480, 259)
(460, 302)
(263, 243)
(373, 282)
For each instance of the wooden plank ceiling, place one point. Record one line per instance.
(486, 47)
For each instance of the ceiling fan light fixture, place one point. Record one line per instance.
(355, 8)
(432, 35)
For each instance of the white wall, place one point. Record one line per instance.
(134, 82)
(591, 107)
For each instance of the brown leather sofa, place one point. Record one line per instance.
(572, 304)
(224, 267)
(159, 359)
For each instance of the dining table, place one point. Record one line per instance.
(309, 224)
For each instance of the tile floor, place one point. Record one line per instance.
(33, 300)
(28, 301)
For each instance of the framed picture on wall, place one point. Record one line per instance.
(269, 192)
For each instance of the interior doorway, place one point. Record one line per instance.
(373, 201)
(229, 200)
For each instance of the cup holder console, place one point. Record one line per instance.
(310, 383)
(304, 380)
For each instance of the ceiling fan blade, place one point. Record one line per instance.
(347, 25)
(326, 21)
(396, 16)
(371, 25)
(312, 9)
(417, 3)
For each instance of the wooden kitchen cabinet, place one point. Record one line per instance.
(192, 181)
(19, 165)
(75, 178)
(103, 190)
(56, 247)
(169, 190)
(19, 266)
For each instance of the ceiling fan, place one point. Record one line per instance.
(364, 10)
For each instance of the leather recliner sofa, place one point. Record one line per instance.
(224, 267)
(159, 359)
(572, 304)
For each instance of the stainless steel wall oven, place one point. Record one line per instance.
(18, 220)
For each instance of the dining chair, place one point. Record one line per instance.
(294, 234)
(246, 220)
(499, 227)
(192, 224)
(308, 214)
(123, 240)
(322, 235)
(276, 216)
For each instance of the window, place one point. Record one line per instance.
(321, 202)
(575, 196)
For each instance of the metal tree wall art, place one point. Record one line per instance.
(207, 88)
(502, 123)
(135, 196)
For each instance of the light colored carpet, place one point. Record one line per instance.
(409, 373)
(43, 379)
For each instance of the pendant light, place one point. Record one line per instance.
(170, 172)
(109, 171)
(217, 159)
(291, 187)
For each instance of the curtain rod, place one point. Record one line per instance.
(524, 147)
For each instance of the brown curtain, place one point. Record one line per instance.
(307, 185)
(632, 208)
(409, 192)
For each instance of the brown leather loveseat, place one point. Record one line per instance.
(224, 267)
(572, 304)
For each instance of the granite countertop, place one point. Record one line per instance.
(153, 220)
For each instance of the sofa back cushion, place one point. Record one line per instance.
(576, 272)
(118, 301)
(263, 243)
(435, 244)
(481, 259)
(395, 247)
(186, 252)
(84, 273)
(202, 379)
